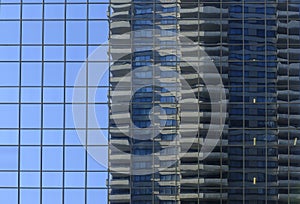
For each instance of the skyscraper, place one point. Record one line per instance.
(254, 47)
(252, 114)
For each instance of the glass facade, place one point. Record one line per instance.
(252, 138)
(154, 155)
(42, 47)
(254, 46)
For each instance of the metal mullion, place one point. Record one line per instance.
(288, 100)
(198, 95)
(20, 101)
(42, 101)
(153, 93)
(64, 109)
(109, 105)
(266, 106)
(177, 182)
(131, 90)
(221, 73)
(243, 81)
(87, 106)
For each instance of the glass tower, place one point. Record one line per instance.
(255, 47)
(252, 140)
(43, 44)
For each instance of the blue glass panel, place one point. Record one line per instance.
(31, 196)
(30, 158)
(32, 11)
(9, 74)
(30, 137)
(78, 27)
(32, 32)
(96, 196)
(53, 116)
(31, 74)
(75, 179)
(54, 32)
(52, 179)
(52, 158)
(9, 116)
(76, 11)
(9, 95)
(74, 196)
(54, 11)
(30, 179)
(11, 33)
(30, 116)
(75, 158)
(9, 196)
(9, 137)
(51, 196)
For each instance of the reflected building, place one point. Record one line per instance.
(254, 47)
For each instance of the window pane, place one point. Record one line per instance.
(31, 74)
(30, 116)
(32, 11)
(31, 95)
(31, 196)
(9, 117)
(76, 11)
(75, 179)
(74, 196)
(9, 196)
(52, 158)
(54, 74)
(51, 196)
(8, 179)
(78, 27)
(9, 95)
(54, 11)
(53, 116)
(30, 137)
(32, 32)
(54, 32)
(30, 158)
(9, 137)
(30, 179)
(52, 179)
(9, 74)
(8, 158)
(11, 33)
(32, 53)
(75, 158)
(53, 137)
(10, 12)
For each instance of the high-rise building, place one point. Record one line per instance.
(252, 149)
(288, 121)
(255, 48)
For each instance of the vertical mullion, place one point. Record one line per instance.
(42, 105)
(198, 97)
(20, 102)
(64, 109)
(221, 102)
(265, 105)
(288, 101)
(87, 103)
(109, 103)
(244, 110)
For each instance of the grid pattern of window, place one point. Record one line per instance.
(43, 45)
